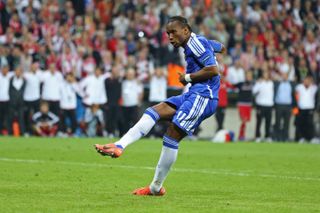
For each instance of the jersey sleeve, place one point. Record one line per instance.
(203, 52)
(216, 46)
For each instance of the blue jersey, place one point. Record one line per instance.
(200, 53)
(216, 46)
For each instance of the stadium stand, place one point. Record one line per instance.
(50, 39)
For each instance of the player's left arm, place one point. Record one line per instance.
(204, 74)
(210, 65)
(217, 46)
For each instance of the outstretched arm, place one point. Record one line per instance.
(204, 74)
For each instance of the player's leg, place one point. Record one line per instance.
(147, 121)
(168, 156)
(187, 118)
(162, 111)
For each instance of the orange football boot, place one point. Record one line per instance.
(110, 149)
(145, 191)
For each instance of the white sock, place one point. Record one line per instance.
(167, 158)
(141, 128)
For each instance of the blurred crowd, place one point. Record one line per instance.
(81, 67)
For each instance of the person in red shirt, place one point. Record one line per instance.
(223, 101)
(245, 103)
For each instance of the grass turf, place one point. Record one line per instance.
(66, 175)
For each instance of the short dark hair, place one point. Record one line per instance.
(182, 20)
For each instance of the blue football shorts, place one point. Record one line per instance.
(192, 109)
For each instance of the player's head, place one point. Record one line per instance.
(178, 31)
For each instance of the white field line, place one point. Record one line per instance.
(181, 170)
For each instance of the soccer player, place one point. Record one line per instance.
(185, 111)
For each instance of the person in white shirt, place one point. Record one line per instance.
(68, 103)
(5, 76)
(16, 104)
(132, 94)
(94, 121)
(236, 73)
(158, 86)
(306, 98)
(263, 90)
(52, 80)
(94, 89)
(157, 94)
(31, 94)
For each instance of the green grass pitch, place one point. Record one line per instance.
(67, 175)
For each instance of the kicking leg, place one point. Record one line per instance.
(167, 158)
(152, 114)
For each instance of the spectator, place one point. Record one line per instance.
(41, 57)
(247, 58)
(263, 90)
(68, 60)
(88, 64)
(244, 103)
(235, 73)
(236, 51)
(306, 97)
(284, 101)
(121, 24)
(94, 122)
(237, 38)
(3, 56)
(314, 71)
(68, 103)
(94, 88)
(132, 94)
(45, 123)
(31, 94)
(16, 104)
(107, 61)
(221, 34)
(158, 86)
(144, 66)
(302, 69)
(14, 58)
(52, 80)
(5, 76)
(223, 101)
(157, 94)
(113, 86)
